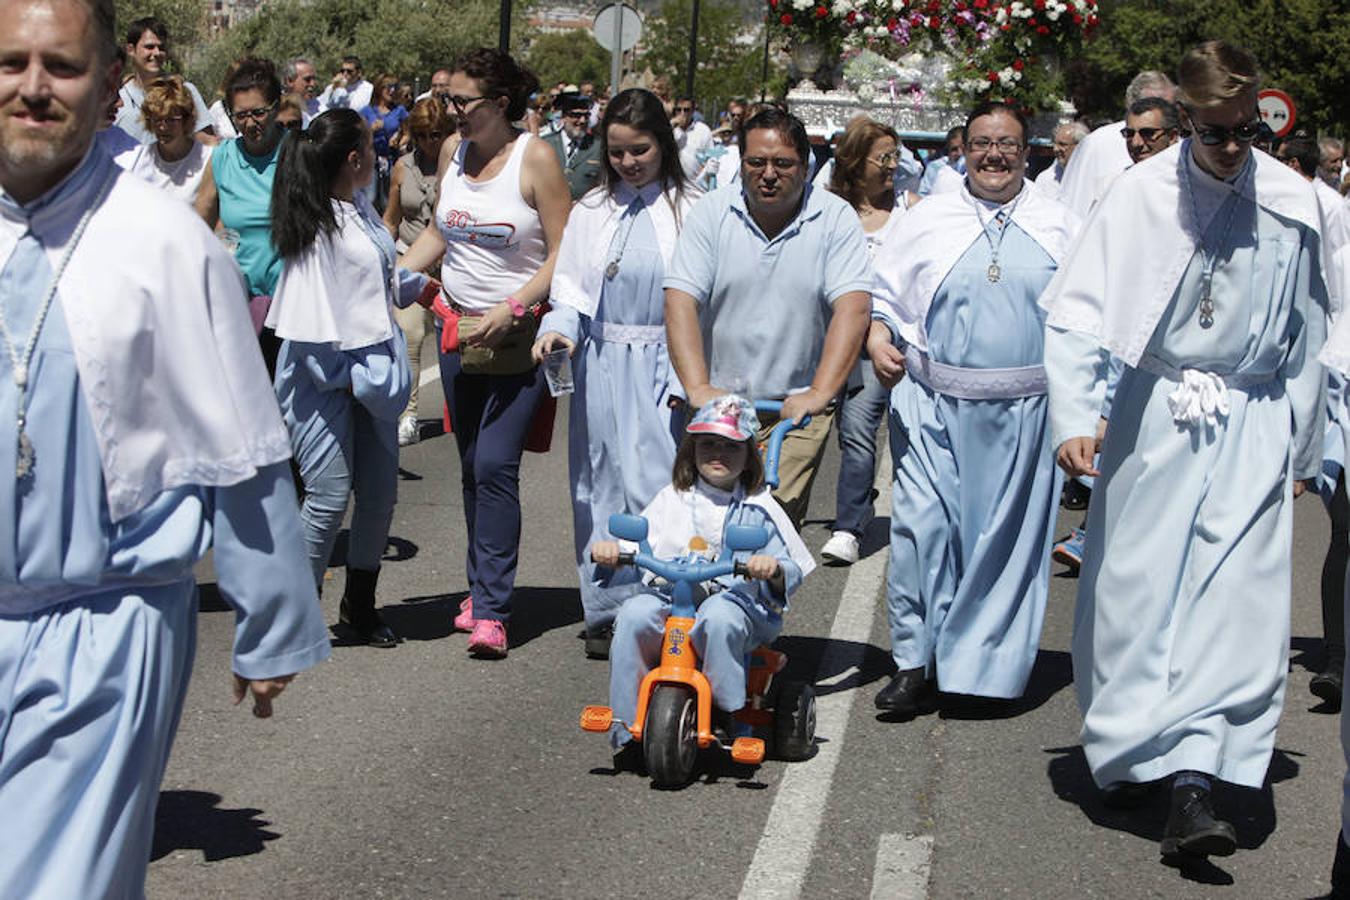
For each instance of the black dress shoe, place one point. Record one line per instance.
(1326, 686)
(1126, 794)
(909, 692)
(1193, 828)
(1075, 495)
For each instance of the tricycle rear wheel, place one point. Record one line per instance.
(670, 735)
(794, 721)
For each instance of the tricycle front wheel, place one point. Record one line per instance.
(670, 735)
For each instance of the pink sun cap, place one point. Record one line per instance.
(728, 416)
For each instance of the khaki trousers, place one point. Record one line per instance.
(798, 462)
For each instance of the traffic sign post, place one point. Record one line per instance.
(617, 28)
(1277, 110)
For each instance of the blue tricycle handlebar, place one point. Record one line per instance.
(774, 448)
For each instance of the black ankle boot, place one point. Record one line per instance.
(1326, 684)
(1340, 871)
(358, 609)
(1193, 828)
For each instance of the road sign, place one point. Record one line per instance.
(618, 27)
(1277, 110)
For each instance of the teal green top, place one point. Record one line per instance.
(244, 184)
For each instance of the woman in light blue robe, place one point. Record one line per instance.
(1181, 632)
(98, 619)
(624, 420)
(973, 502)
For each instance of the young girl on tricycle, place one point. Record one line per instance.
(703, 527)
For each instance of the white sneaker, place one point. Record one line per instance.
(408, 431)
(841, 549)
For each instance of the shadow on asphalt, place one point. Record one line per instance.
(1251, 810)
(209, 599)
(192, 820)
(806, 655)
(535, 611)
(1051, 673)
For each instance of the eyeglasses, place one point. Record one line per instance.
(1148, 134)
(460, 103)
(259, 114)
(348, 70)
(886, 160)
(984, 145)
(1213, 137)
(578, 113)
(393, 86)
(161, 121)
(687, 109)
(781, 164)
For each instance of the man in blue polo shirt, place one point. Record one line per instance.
(768, 294)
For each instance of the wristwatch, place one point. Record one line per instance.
(517, 308)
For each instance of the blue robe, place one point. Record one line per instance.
(1181, 633)
(97, 627)
(973, 501)
(622, 433)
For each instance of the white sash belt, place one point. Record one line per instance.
(1200, 397)
(974, 384)
(627, 334)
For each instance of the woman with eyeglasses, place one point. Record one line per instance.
(412, 201)
(385, 116)
(175, 161)
(236, 188)
(342, 373)
(865, 161)
(500, 212)
(609, 312)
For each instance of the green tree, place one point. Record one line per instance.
(730, 56)
(1302, 46)
(409, 38)
(573, 57)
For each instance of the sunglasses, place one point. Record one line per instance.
(1148, 134)
(781, 164)
(1213, 137)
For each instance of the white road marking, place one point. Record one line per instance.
(784, 852)
(903, 864)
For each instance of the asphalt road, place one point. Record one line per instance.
(420, 772)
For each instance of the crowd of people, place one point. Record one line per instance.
(1145, 317)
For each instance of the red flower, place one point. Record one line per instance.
(935, 23)
(773, 4)
(1005, 27)
(934, 6)
(1077, 19)
(892, 23)
(821, 12)
(1032, 23)
(1039, 4)
(1092, 21)
(1043, 30)
(785, 19)
(1018, 65)
(981, 4)
(993, 77)
(852, 17)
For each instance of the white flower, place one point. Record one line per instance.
(801, 4)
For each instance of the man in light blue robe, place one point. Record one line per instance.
(973, 503)
(1200, 270)
(140, 431)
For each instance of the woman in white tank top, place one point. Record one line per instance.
(500, 214)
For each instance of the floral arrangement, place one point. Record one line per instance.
(1001, 49)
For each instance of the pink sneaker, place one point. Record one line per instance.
(488, 639)
(464, 621)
